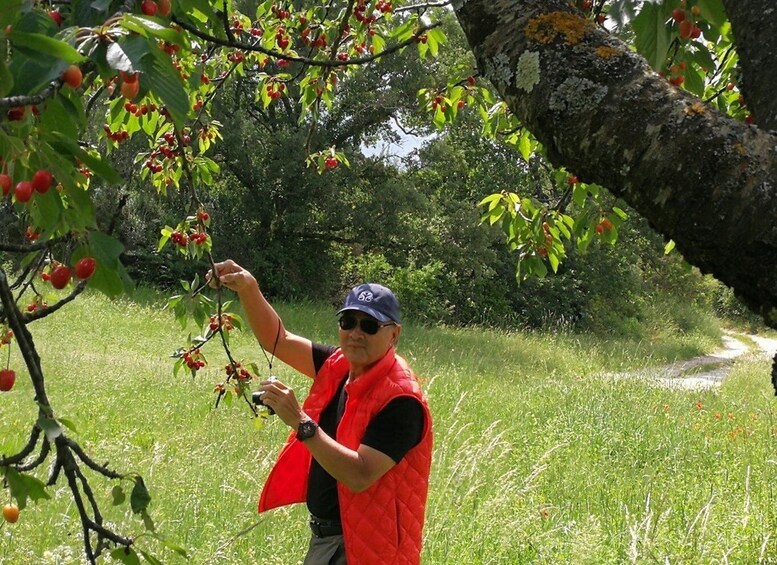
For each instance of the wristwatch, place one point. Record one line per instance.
(306, 429)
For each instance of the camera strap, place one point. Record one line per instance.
(271, 358)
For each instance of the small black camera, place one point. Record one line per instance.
(256, 398)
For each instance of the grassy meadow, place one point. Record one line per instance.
(538, 459)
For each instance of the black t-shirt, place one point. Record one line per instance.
(395, 430)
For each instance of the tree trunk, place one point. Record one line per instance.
(699, 177)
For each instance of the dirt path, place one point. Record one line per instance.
(708, 371)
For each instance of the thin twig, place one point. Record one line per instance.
(102, 469)
(25, 451)
(45, 449)
(424, 6)
(42, 313)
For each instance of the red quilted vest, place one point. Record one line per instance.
(384, 523)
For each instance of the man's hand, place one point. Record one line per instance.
(282, 400)
(230, 275)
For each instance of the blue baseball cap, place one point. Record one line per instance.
(373, 299)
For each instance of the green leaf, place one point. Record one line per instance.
(118, 495)
(126, 555)
(46, 209)
(150, 27)
(620, 213)
(68, 424)
(150, 558)
(524, 146)
(170, 545)
(147, 521)
(177, 367)
(23, 486)
(166, 82)
(694, 81)
(6, 79)
(57, 115)
(140, 498)
(713, 11)
(579, 194)
(36, 489)
(118, 59)
(669, 247)
(652, 36)
(46, 45)
(70, 146)
(554, 261)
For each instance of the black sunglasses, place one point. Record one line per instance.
(370, 326)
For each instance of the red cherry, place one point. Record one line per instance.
(685, 29)
(60, 276)
(5, 184)
(23, 191)
(130, 89)
(16, 114)
(129, 78)
(678, 15)
(7, 379)
(41, 181)
(72, 76)
(165, 6)
(149, 7)
(85, 267)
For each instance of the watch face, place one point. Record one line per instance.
(306, 430)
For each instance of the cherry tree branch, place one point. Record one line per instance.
(89, 462)
(45, 449)
(422, 6)
(306, 60)
(42, 313)
(25, 451)
(29, 247)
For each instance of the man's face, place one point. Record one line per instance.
(360, 347)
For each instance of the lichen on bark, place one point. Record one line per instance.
(527, 71)
(546, 28)
(576, 95)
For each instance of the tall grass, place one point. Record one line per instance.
(537, 458)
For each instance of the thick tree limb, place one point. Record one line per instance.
(699, 177)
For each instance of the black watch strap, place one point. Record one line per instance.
(306, 430)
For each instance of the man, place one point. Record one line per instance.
(360, 449)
